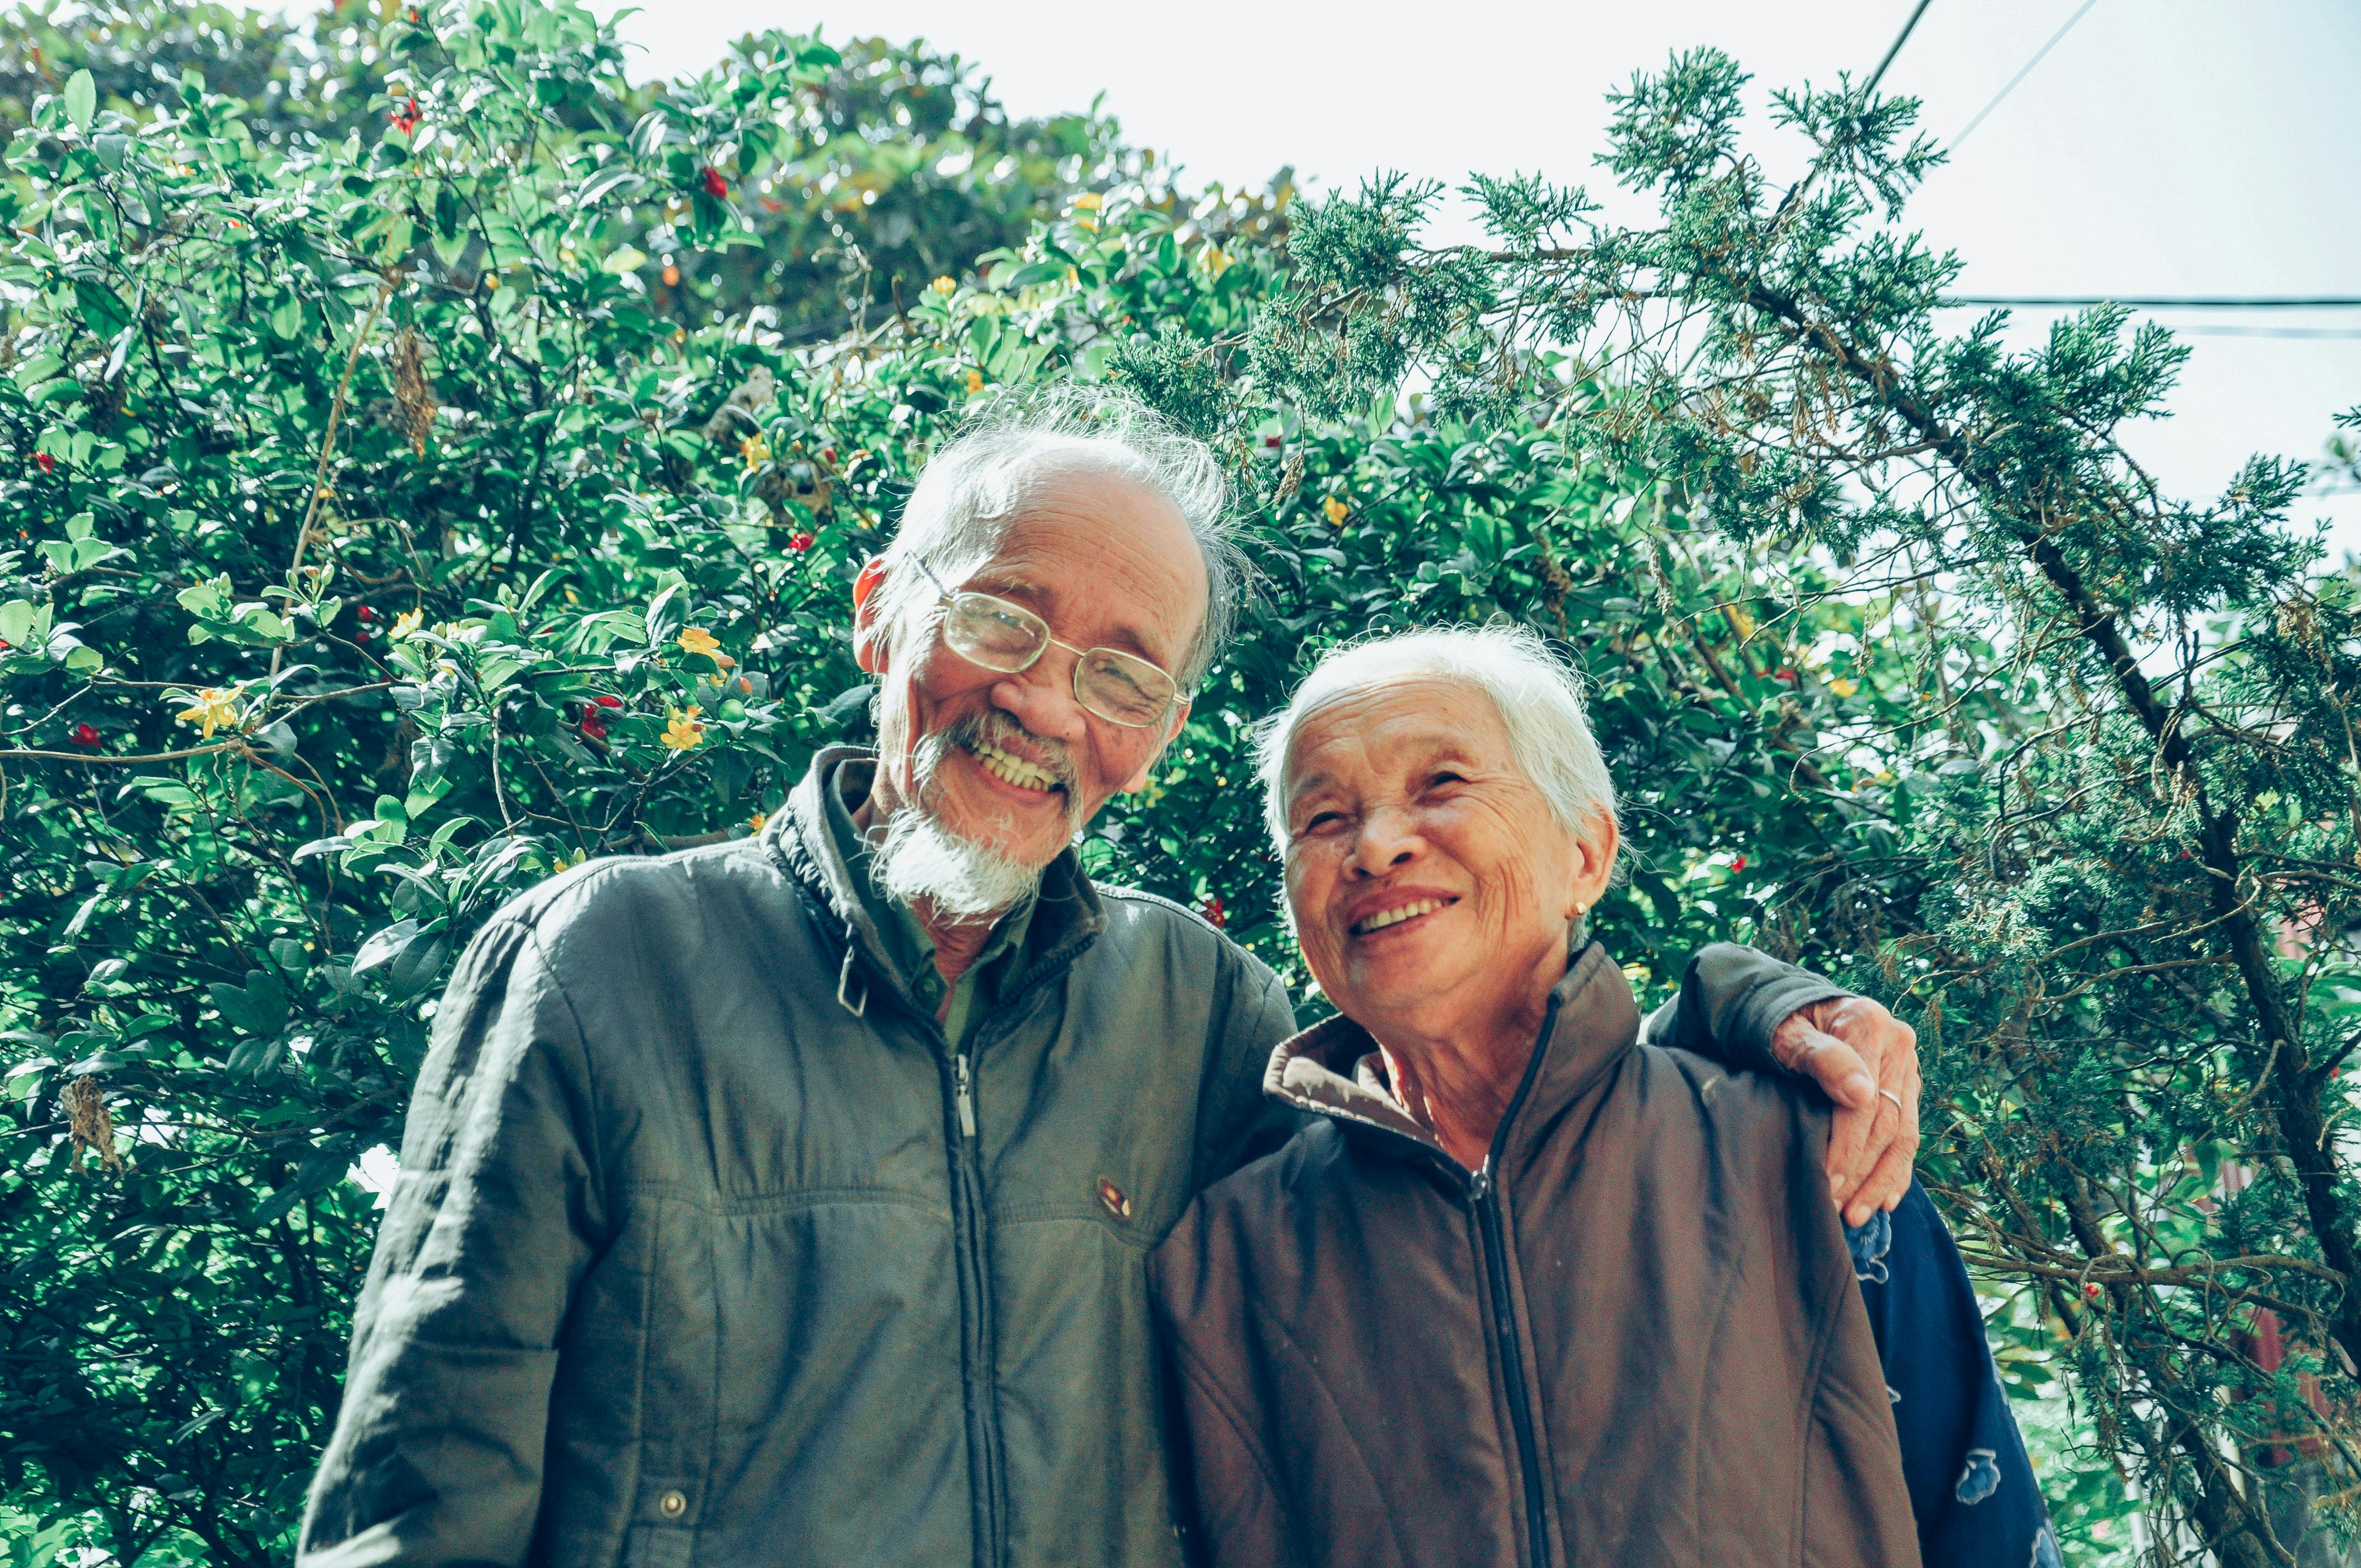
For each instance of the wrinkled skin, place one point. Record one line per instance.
(1406, 795)
(1410, 793)
(1106, 560)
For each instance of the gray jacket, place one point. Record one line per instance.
(706, 1247)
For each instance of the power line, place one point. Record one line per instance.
(2169, 302)
(1902, 38)
(1787, 202)
(2038, 55)
(2331, 332)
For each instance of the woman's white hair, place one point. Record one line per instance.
(1538, 695)
(975, 488)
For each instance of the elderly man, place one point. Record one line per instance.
(1534, 1286)
(788, 1201)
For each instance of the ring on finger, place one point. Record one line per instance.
(1895, 1098)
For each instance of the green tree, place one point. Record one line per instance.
(2112, 873)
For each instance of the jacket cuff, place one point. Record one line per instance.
(1739, 997)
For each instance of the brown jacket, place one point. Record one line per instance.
(1634, 1338)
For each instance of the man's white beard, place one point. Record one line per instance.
(960, 879)
(957, 878)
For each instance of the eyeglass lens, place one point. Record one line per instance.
(1005, 637)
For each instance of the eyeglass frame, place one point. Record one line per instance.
(1051, 640)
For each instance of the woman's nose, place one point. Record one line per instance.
(1388, 838)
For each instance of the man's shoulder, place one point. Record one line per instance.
(589, 913)
(1137, 919)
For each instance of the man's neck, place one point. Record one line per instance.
(957, 941)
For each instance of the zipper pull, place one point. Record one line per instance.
(1479, 1186)
(964, 1094)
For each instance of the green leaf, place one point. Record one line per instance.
(81, 100)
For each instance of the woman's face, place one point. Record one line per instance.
(1432, 887)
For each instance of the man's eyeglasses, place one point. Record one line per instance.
(1120, 687)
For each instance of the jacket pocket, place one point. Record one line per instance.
(659, 1546)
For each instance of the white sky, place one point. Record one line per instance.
(2164, 148)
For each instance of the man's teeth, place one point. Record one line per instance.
(1396, 916)
(1012, 770)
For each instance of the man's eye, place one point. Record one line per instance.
(1322, 819)
(1446, 778)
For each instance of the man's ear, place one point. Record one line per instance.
(870, 644)
(1138, 781)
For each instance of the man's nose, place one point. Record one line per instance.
(1042, 699)
(1389, 837)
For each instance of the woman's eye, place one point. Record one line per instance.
(1446, 778)
(1322, 819)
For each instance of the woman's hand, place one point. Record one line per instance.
(1865, 1060)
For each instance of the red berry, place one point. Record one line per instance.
(827, 453)
(364, 613)
(605, 700)
(2091, 1291)
(1270, 441)
(1737, 863)
(593, 726)
(44, 462)
(1214, 914)
(85, 735)
(799, 542)
(716, 186)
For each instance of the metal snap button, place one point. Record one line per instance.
(672, 1505)
(1111, 1196)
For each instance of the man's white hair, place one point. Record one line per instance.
(975, 488)
(1538, 695)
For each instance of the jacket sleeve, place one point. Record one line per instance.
(1236, 1122)
(1732, 1001)
(1227, 1500)
(436, 1455)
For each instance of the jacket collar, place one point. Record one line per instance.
(1333, 1068)
(1067, 916)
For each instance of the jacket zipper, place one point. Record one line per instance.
(1485, 1201)
(975, 1303)
(977, 1336)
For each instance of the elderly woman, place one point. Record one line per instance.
(1528, 1286)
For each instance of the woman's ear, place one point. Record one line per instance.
(870, 643)
(1138, 781)
(1594, 865)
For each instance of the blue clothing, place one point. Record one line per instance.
(1970, 1483)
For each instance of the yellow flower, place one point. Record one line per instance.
(1214, 259)
(1743, 621)
(1335, 510)
(697, 640)
(567, 862)
(1088, 200)
(944, 285)
(1844, 687)
(681, 732)
(407, 623)
(757, 823)
(975, 380)
(755, 451)
(213, 708)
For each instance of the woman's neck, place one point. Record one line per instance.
(1458, 1084)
